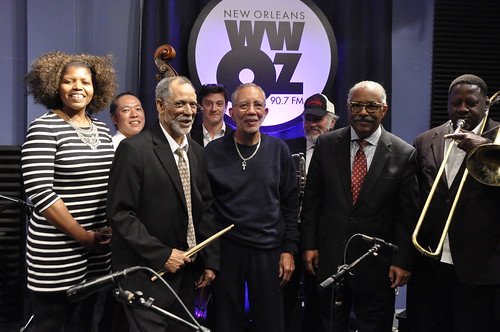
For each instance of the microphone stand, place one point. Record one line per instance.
(15, 201)
(338, 279)
(343, 269)
(136, 299)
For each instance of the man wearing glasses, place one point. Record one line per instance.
(362, 179)
(255, 188)
(209, 123)
(159, 206)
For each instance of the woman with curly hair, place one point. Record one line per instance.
(65, 162)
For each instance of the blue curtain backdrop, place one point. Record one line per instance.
(362, 29)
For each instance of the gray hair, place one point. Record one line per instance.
(246, 85)
(163, 90)
(331, 117)
(369, 84)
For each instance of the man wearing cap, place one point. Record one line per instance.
(318, 118)
(361, 180)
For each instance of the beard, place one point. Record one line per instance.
(312, 137)
(312, 133)
(176, 125)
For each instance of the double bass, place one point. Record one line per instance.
(163, 55)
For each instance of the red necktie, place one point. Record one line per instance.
(359, 169)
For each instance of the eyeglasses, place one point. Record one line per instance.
(257, 105)
(371, 107)
(181, 104)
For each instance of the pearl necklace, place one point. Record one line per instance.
(89, 136)
(244, 160)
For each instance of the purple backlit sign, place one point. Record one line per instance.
(286, 46)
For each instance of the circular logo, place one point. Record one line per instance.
(285, 46)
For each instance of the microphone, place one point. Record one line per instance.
(342, 269)
(81, 291)
(376, 240)
(326, 283)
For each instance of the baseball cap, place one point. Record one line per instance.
(318, 105)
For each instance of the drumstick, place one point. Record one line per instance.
(198, 247)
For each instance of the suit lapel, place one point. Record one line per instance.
(193, 166)
(378, 164)
(165, 156)
(437, 147)
(342, 155)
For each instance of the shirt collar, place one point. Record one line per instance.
(173, 144)
(309, 144)
(372, 139)
(222, 130)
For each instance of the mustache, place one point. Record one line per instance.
(365, 118)
(251, 118)
(185, 118)
(314, 128)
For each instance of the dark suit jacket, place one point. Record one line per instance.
(386, 207)
(474, 233)
(297, 145)
(197, 132)
(147, 210)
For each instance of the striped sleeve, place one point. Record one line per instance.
(38, 159)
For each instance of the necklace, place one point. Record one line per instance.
(244, 160)
(88, 136)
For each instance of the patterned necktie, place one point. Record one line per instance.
(359, 169)
(186, 186)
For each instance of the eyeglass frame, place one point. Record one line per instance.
(258, 108)
(182, 104)
(365, 106)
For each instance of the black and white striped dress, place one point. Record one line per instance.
(56, 164)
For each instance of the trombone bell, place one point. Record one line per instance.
(483, 164)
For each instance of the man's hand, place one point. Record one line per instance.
(468, 140)
(206, 278)
(311, 260)
(176, 261)
(286, 268)
(398, 276)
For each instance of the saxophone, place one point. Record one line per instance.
(301, 177)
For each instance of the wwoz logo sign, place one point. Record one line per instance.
(285, 46)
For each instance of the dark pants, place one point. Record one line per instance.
(141, 319)
(260, 270)
(53, 313)
(371, 311)
(438, 301)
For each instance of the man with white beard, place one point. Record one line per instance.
(319, 117)
(159, 206)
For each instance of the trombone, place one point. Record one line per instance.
(483, 162)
